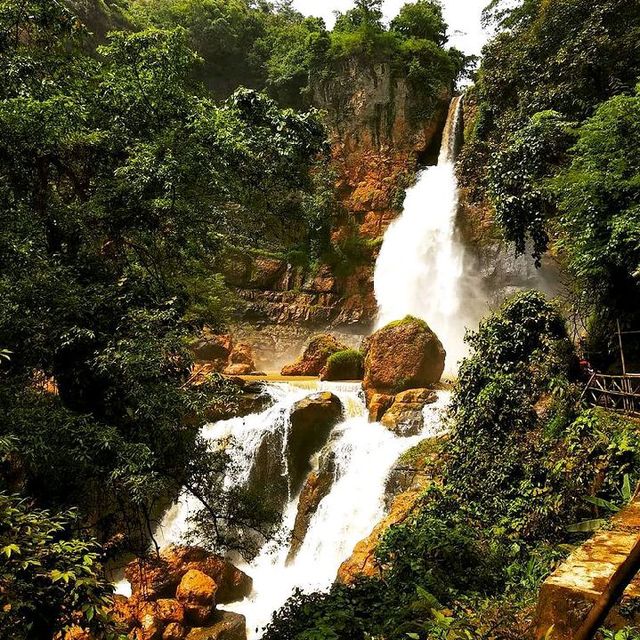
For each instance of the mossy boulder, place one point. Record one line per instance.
(315, 356)
(344, 365)
(403, 355)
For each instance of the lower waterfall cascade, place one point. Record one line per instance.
(364, 455)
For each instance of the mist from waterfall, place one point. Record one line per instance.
(421, 267)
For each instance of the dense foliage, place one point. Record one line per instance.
(118, 179)
(556, 73)
(272, 46)
(523, 473)
(49, 580)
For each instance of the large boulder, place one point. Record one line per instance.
(344, 365)
(197, 594)
(159, 577)
(241, 361)
(405, 354)
(226, 626)
(315, 357)
(311, 422)
(317, 486)
(214, 349)
(405, 417)
(275, 477)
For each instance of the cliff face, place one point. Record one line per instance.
(381, 129)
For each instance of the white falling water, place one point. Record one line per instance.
(364, 455)
(420, 269)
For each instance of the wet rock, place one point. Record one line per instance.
(226, 626)
(315, 357)
(403, 355)
(197, 594)
(379, 404)
(159, 577)
(405, 416)
(317, 486)
(312, 421)
(214, 349)
(267, 479)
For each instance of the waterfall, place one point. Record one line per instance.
(364, 454)
(421, 268)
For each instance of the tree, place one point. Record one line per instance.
(50, 580)
(598, 196)
(118, 182)
(366, 15)
(422, 20)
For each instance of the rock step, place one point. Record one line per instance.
(576, 598)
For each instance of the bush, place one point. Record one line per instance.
(344, 365)
(49, 579)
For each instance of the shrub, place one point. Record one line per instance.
(344, 365)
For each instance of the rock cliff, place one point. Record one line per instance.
(381, 130)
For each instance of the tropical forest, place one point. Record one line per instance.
(319, 320)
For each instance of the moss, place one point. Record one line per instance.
(424, 450)
(345, 365)
(407, 320)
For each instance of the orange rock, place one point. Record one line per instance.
(197, 593)
(174, 631)
(169, 610)
(403, 355)
(315, 356)
(225, 626)
(362, 562)
(159, 577)
(405, 417)
(378, 406)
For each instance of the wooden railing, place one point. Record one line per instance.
(616, 393)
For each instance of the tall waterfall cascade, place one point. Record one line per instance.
(421, 267)
(364, 454)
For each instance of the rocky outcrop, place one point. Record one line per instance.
(577, 596)
(213, 348)
(315, 356)
(159, 577)
(403, 355)
(226, 626)
(311, 420)
(405, 416)
(362, 562)
(174, 597)
(317, 486)
(241, 361)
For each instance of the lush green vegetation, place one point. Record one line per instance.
(555, 143)
(274, 47)
(119, 178)
(345, 365)
(519, 478)
(49, 579)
